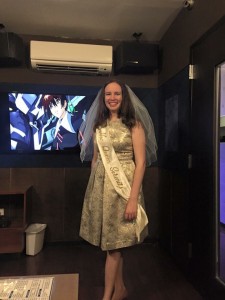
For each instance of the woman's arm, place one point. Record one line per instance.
(95, 154)
(138, 139)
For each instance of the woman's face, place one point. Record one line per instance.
(113, 97)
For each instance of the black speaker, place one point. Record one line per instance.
(11, 49)
(136, 58)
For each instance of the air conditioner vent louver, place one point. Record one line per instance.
(83, 59)
(67, 69)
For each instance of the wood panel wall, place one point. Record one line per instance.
(58, 193)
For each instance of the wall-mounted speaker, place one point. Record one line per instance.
(136, 58)
(11, 49)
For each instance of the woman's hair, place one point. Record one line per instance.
(126, 111)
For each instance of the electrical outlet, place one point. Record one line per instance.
(2, 212)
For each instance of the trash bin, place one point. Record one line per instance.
(35, 238)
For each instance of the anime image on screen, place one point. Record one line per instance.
(45, 122)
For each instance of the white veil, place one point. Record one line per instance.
(141, 114)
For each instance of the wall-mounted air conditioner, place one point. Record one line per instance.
(71, 57)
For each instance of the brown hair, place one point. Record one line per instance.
(126, 111)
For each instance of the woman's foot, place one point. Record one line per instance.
(120, 294)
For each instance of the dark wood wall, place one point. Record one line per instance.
(57, 197)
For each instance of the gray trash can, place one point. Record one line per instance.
(35, 238)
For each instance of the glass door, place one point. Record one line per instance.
(207, 175)
(220, 171)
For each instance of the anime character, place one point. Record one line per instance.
(26, 124)
(66, 120)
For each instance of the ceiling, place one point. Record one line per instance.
(90, 19)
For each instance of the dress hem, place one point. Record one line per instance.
(119, 245)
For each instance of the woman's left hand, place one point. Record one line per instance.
(131, 210)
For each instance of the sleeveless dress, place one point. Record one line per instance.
(102, 222)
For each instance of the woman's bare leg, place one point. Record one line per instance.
(120, 291)
(111, 268)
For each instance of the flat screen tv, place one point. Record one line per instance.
(47, 122)
(39, 124)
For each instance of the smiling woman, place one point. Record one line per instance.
(113, 98)
(113, 214)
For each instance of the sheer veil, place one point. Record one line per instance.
(141, 114)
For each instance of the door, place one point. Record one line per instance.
(208, 58)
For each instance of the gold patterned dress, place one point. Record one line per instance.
(102, 222)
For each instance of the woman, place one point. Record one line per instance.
(113, 206)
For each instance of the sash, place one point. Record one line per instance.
(117, 175)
